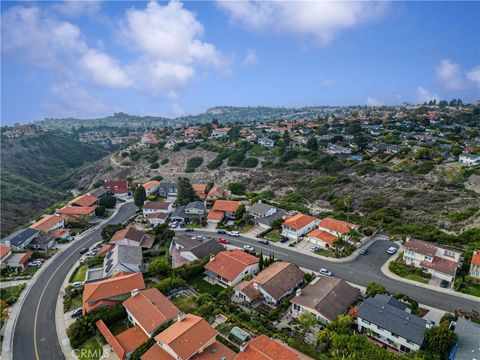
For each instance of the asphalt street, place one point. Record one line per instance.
(35, 335)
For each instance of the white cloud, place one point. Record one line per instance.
(74, 8)
(322, 20)
(449, 75)
(371, 101)
(425, 95)
(473, 75)
(104, 69)
(72, 100)
(250, 58)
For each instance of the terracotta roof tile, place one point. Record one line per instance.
(298, 221)
(116, 187)
(84, 200)
(4, 250)
(226, 205)
(420, 247)
(229, 264)
(58, 232)
(45, 223)
(76, 210)
(215, 215)
(131, 338)
(157, 205)
(264, 348)
(339, 226)
(442, 265)
(476, 257)
(322, 235)
(151, 184)
(151, 309)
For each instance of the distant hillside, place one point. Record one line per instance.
(221, 113)
(38, 171)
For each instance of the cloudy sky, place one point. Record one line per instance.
(89, 59)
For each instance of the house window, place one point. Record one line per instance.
(296, 307)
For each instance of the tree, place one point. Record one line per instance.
(456, 150)
(286, 139)
(307, 320)
(312, 144)
(342, 325)
(234, 133)
(374, 288)
(277, 224)
(439, 340)
(100, 211)
(159, 266)
(109, 202)
(240, 212)
(186, 193)
(139, 196)
(260, 262)
(237, 188)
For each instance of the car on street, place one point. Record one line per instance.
(444, 283)
(199, 237)
(233, 233)
(221, 232)
(173, 225)
(223, 241)
(325, 272)
(35, 264)
(284, 239)
(76, 313)
(248, 248)
(77, 284)
(314, 248)
(264, 241)
(363, 251)
(83, 251)
(90, 254)
(392, 250)
(182, 225)
(189, 230)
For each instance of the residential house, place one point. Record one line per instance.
(43, 242)
(149, 309)
(200, 190)
(151, 187)
(469, 159)
(468, 339)
(118, 189)
(5, 252)
(125, 343)
(230, 267)
(155, 207)
(326, 298)
(21, 238)
(388, 320)
(155, 219)
(105, 293)
(84, 201)
(440, 262)
(260, 210)
(298, 225)
(72, 213)
(337, 150)
(223, 210)
(264, 348)
(60, 233)
(266, 142)
(133, 237)
(217, 192)
(271, 284)
(475, 265)
(49, 223)
(123, 258)
(336, 227)
(322, 238)
(195, 249)
(220, 133)
(19, 260)
(190, 337)
(193, 211)
(168, 190)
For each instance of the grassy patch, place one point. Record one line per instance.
(416, 277)
(185, 303)
(11, 294)
(79, 274)
(90, 349)
(246, 228)
(73, 303)
(202, 286)
(408, 272)
(470, 288)
(324, 252)
(119, 327)
(274, 235)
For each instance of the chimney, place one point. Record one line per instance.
(243, 347)
(180, 316)
(212, 257)
(134, 292)
(299, 292)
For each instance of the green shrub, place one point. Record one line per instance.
(155, 165)
(193, 163)
(164, 161)
(250, 162)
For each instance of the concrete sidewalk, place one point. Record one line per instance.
(386, 271)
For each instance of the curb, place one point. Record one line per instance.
(7, 343)
(385, 270)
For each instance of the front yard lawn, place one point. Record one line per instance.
(185, 303)
(91, 349)
(79, 274)
(273, 235)
(72, 303)
(470, 288)
(418, 278)
(408, 272)
(202, 286)
(11, 294)
(324, 252)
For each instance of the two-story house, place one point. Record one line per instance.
(440, 262)
(469, 159)
(223, 210)
(133, 237)
(266, 142)
(475, 265)
(151, 187)
(228, 268)
(155, 207)
(193, 211)
(298, 225)
(168, 190)
(123, 258)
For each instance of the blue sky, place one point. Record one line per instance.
(90, 59)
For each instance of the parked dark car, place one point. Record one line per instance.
(188, 230)
(221, 232)
(284, 239)
(444, 283)
(76, 313)
(264, 241)
(83, 251)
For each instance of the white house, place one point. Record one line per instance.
(474, 270)
(155, 207)
(469, 159)
(123, 258)
(228, 268)
(298, 225)
(441, 262)
(151, 187)
(266, 142)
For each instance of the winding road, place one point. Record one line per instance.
(35, 335)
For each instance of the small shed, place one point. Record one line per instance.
(239, 335)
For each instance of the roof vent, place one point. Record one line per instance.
(299, 292)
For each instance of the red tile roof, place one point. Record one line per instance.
(298, 221)
(151, 184)
(25, 257)
(84, 200)
(151, 309)
(476, 257)
(157, 205)
(215, 215)
(420, 247)
(120, 284)
(111, 340)
(264, 348)
(4, 251)
(322, 235)
(76, 210)
(45, 223)
(116, 187)
(216, 351)
(441, 265)
(188, 336)
(218, 192)
(105, 248)
(131, 338)
(339, 226)
(226, 205)
(58, 233)
(229, 264)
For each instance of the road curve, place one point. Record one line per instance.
(35, 334)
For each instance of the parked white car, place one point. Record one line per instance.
(77, 284)
(233, 233)
(35, 263)
(392, 250)
(325, 272)
(248, 248)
